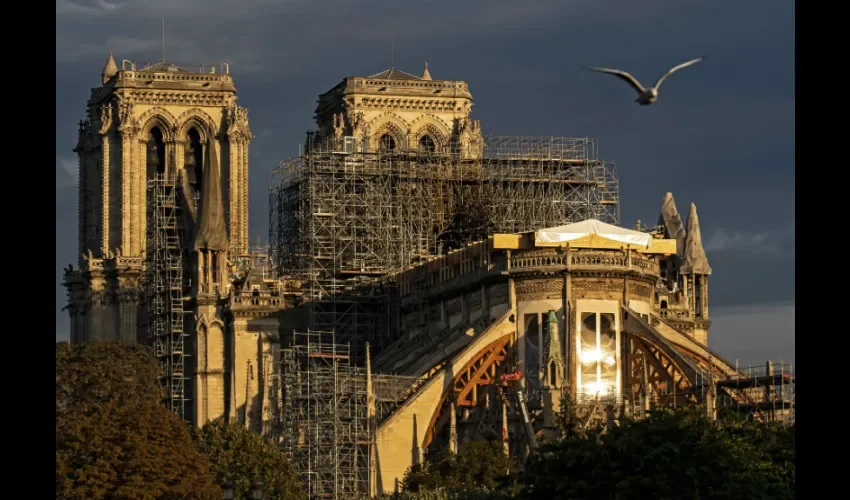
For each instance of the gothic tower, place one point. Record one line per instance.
(144, 124)
(683, 301)
(395, 110)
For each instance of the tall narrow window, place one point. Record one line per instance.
(597, 343)
(155, 154)
(193, 160)
(387, 143)
(608, 353)
(532, 355)
(427, 144)
(697, 297)
(588, 355)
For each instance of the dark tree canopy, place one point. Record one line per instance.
(671, 455)
(114, 437)
(478, 464)
(241, 456)
(469, 222)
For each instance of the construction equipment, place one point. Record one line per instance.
(508, 381)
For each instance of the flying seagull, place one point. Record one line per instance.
(645, 96)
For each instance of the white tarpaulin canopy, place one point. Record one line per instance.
(587, 227)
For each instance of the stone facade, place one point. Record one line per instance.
(397, 110)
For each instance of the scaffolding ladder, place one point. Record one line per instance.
(165, 291)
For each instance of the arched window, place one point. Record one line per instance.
(387, 143)
(663, 304)
(193, 160)
(427, 144)
(155, 153)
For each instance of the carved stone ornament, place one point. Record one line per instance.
(358, 124)
(339, 125)
(540, 287)
(105, 118)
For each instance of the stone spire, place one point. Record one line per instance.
(212, 233)
(554, 359)
(672, 223)
(425, 74)
(694, 260)
(110, 69)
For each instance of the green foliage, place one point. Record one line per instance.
(671, 455)
(479, 464)
(241, 456)
(446, 494)
(114, 438)
(566, 419)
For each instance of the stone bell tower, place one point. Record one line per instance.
(398, 111)
(143, 124)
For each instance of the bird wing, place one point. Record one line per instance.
(674, 69)
(623, 76)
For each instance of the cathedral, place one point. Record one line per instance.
(554, 295)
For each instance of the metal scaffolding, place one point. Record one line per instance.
(324, 412)
(325, 415)
(767, 392)
(342, 217)
(164, 290)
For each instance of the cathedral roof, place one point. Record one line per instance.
(212, 233)
(395, 74)
(695, 260)
(672, 223)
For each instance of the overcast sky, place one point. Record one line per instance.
(721, 135)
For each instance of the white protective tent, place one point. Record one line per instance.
(587, 227)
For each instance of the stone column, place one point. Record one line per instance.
(170, 160)
(179, 155)
(232, 187)
(128, 301)
(126, 187)
(243, 192)
(705, 297)
(140, 185)
(104, 202)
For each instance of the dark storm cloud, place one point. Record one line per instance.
(754, 334)
(721, 134)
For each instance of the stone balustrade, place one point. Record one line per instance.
(579, 261)
(674, 313)
(256, 300)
